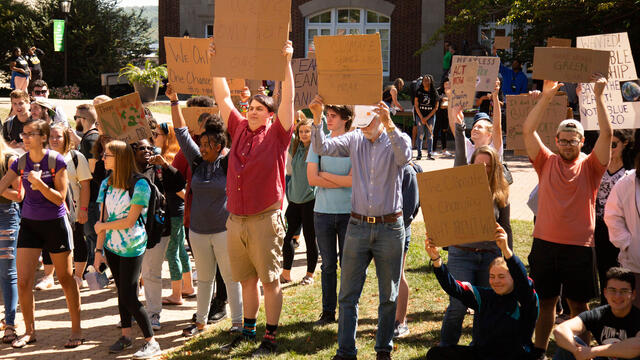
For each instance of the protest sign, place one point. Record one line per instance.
(249, 38)
(236, 86)
(305, 80)
(569, 64)
(621, 68)
(191, 116)
(519, 106)
(456, 205)
(488, 68)
(363, 115)
(188, 65)
(558, 42)
(502, 42)
(349, 69)
(463, 84)
(123, 118)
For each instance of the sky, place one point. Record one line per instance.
(124, 3)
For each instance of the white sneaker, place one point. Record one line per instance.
(155, 322)
(45, 283)
(148, 350)
(194, 276)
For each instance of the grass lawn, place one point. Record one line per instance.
(298, 339)
(162, 109)
(3, 114)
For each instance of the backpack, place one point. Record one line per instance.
(156, 223)
(69, 202)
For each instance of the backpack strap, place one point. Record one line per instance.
(51, 162)
(22, 163)
(132, 184)
(74, 158)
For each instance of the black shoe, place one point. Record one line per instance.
(338, 357)
(429, 157)
(266, 348)
(326, 318)
(217, 311)
(383, 355)
(121, 344)
(237, 341)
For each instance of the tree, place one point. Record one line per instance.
(19, 26)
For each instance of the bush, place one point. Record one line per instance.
(66, 92)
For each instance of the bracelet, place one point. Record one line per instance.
(436, 259)
(84, 208)
(175, 103)
(101, 251)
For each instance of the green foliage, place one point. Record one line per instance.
(20, 26)
(148, 76)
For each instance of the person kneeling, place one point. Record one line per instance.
(507, 311)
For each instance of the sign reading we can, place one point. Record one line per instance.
(249, 37)
(463, 84)
(123, 119)
(488, 68)
(188, 65)
(569, 64)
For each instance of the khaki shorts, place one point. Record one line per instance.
(255, 245)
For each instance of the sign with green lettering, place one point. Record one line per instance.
(58, 35)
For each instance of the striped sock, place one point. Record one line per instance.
(249, 328)
(270, 333)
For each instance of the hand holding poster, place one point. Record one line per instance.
(463, 84)
(250, 35)
(123, 119)
(456, 205)
(488, 68)
(519, 107)
(191, 116)
(569, 64)
(349, 69)
(188, 65)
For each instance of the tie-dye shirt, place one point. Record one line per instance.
(130, 242)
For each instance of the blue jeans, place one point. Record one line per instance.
(93, 215)
(562, 354)
(328, 228)
(423, 132)
(464, 266)
(9, 226)
(384, 244)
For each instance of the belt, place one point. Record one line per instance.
(474, 250)
(389, 218)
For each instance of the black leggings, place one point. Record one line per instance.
(80, 248)
(606, 255)
(126, 272)
(300, 214)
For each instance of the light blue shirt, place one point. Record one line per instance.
(332, 200)
(377, 167)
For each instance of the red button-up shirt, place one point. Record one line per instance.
(255, 177)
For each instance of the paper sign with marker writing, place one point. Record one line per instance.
(123, 118)
(249, 38)
(363, 115)
(463, 84)
(488, 68)
(569, 64)
(191, 116)
(188, 65)
(305, 80)
(558, 42)
(502, 42)
(349, 69)
(519, 106)
(456, 205)
(621, 68)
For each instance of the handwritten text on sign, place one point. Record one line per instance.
(621, 67)
(488, 68)
(305, 80)
(568, 64)
(249, 37)
(463, 84)
(123, 119)
(456, 205)
(519, 107)
(349, 69)
(188, 65)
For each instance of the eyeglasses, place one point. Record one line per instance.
(76, 117)
(614, 144)
(621, 292)
(563, 142)
(29, 135)
(40, 92)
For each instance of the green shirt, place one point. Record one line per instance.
(298, 190)
(446, 61)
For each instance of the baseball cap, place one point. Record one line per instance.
(481, 116)
(363, 115)
(571, 125)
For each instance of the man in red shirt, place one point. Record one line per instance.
(562, 251)
(255, 190)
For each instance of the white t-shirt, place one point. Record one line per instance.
(471, 148)
(75, 176)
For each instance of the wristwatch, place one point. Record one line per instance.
(101, 251)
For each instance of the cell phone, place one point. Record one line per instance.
(102, 268)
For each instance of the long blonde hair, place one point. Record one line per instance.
(497, 183)
(5, 152)
(124, 164)
(66, 145)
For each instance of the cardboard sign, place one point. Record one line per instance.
(363, 115)
(519, 107)
(621, 68)
(305, 80)
(569, 64)
(502, 42)
(463, 84)
(188, 65)
(191, 116)
(123, 119)
(250, 35)
(349, 69)
(236, 86)
(488, 68)
(558, 42)
(456, 205)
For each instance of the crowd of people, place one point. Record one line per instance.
(76, 197)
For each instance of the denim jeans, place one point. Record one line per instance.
(9, 225)
(562, 354)
(384, 244)
(93, 215)
(423, 132)
(472, 267)
(328, 228)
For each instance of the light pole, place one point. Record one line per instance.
(65, 5)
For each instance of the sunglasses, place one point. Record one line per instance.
(146, 148)
(40, 92)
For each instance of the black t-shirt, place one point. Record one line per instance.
(87, 142)
(99, 174)
(11, 129)
(34, 63)
(426, 101)
(606, 328)
(21, 63)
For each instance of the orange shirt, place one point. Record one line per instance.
(567, 198)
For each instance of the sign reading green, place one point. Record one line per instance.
(58, 35)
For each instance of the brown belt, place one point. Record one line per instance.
(470, 249)
(389, 218)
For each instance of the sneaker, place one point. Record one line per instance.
(155, 322)
(326, 318)
(45, 283)
(237, 341)
(401, 330)
(429, 157)
(133, 321)
(217, 311)
(383, 355)
(148, 350)
(235, 329)
(120, 344)
(266, 348)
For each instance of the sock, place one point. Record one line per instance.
(270, 333)
(249, 328)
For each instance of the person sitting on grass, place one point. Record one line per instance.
(506, 312)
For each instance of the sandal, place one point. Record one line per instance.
(74, 343)
(21, 342)
(9, 334)
(167, 301)
(283, 280)
(191, 330)
(189, 296)
(307, 280)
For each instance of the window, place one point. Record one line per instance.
(351, 21)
